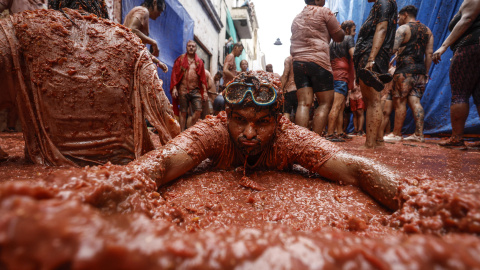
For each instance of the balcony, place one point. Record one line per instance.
(245, 21)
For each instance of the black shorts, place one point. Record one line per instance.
(381, 63)
(291, 102)
(465, 75)
(308, 74)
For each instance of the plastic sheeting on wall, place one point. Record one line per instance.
(172, 30)
(436, 14)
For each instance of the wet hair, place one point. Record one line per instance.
(219, 73)
(309, 2)
(238, 44)
(257, 78)
(348, 24)
(97, 7)
(149, 4)
(411, 10)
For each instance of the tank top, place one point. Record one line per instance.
(470, 37)
(412, 59)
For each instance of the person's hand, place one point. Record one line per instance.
(437, 56)
(426, 79)
(163, 66)
(369, 65)
(174, 92)
(155, 52)
(347, 103)
(205, 96)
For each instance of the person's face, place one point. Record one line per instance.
(244, 66)
(320, 3)
(237, 51)
(353, 31)
(191, 48)
(269, 68)
(155, 12)
(252, 131)
(402, 18)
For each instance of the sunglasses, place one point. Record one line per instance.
(236, 92)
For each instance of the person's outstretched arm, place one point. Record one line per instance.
(376, 179)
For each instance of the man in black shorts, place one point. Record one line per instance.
(413, 64)
(372, 55)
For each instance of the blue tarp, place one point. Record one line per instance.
(436, 14)
(171, 30)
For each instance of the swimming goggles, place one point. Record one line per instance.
(236, 92)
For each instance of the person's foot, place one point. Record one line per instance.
(354, 133)
(334, 138)
(392, 138)
(344, 136)
(454, 144)
(415, 138)
(361, 133)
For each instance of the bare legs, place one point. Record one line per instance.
(418, 114)
(400, 105)
(305, 101)
(374, 115)
(458, 116)
(358, 119)
(335, 112)
(387, 110)
(325, 100)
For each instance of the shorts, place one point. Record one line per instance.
(405, 85)
(291, 102)
(219, 104)
(465, 74)
(356, 105)
(308, 74)
(381, 63)
(194, 97)
(340, 87)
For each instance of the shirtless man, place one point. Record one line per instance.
(212, 94)
(289, 88)
(372, 55)
(244, 65)
(189, 84)
(252, 134)
(85, 106)
(414, 43)
(137, 20)
(229, 66)
(269, 68)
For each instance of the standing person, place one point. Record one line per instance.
(411, 75)
(289, 88)
(188, 85)
(387, 102)
(341, 54)
(244, 66)
(137, 20)
(212, 94)
(372, 54)
(464, 40)
(229, 66)
(357, 106)
(312, 30)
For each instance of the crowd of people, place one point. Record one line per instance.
(385, 69)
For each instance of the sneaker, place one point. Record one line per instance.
(9, 130)
(371, 79)
(475, 145)
(361, 133)
(451, 143)
(345, 136)
(415, 138)
(392, 138)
